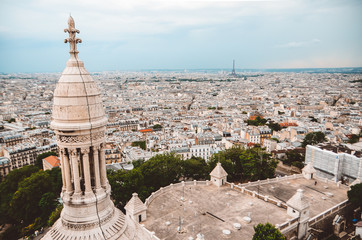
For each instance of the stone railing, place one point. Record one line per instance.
(171, 186)
(272, 180)
(326, 180)
(266, 198)
(149, 233)
(286, 226)
(328, 212)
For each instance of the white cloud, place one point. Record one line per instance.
(299, 44)
(123, 19)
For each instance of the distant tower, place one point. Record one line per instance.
(233, 72)
(79, 123)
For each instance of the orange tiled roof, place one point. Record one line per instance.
(146, 130)
(53, 161)
(286, 124)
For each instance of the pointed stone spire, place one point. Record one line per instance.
(136, 209)
(218, 175)
(218, 171)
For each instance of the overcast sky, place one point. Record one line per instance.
(175, 34)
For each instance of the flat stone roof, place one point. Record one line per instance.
(210, 210)
(319, 195)
(227, 205)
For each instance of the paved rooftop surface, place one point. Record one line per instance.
(227, 206)
(224, 203)
(319, 195)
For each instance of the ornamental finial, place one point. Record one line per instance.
(72, 38)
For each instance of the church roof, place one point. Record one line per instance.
(135, 205)
(218, 171)
(298, 201)
(309, 168)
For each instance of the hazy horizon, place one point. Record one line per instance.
(180, 34)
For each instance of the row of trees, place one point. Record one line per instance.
(28, 198)
(161, 170)
(244, 165)
(294, 158)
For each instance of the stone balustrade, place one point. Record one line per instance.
(328, 212)
(286, 226)
(150, 233)
(265, 198)
(175, 185)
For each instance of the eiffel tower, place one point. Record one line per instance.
(233, 73)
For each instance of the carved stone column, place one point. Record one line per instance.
(86, 170)
(102, 166)
(76, 180)
(69, 187)
(96, 167)
(62, 153)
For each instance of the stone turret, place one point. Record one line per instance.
(298, 206)
(79, 123)
(308, 171)
(218, 175)
(135, 209)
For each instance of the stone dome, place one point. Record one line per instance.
(77, 100)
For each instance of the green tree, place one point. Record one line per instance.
(267, 232)
(24, 206)
(230, 161)
(7, 189)
(157, 127)
(314, 138)
(161, 170)
(47, 203)
(355, 195)
(55, 177)
(11, 120)
(55, 215)
(27, 198)
(124, 183)
(245, 164)
(141, 144)
(195, 168)
(257, 122)
(258, 164)
(274, 126)
(40, 157)
(137, 163)
(294, 158)
(354, 138)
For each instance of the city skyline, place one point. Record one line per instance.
(143, 35)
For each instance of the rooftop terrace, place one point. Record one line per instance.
(209, 210)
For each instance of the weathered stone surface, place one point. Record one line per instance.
(79, 122)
